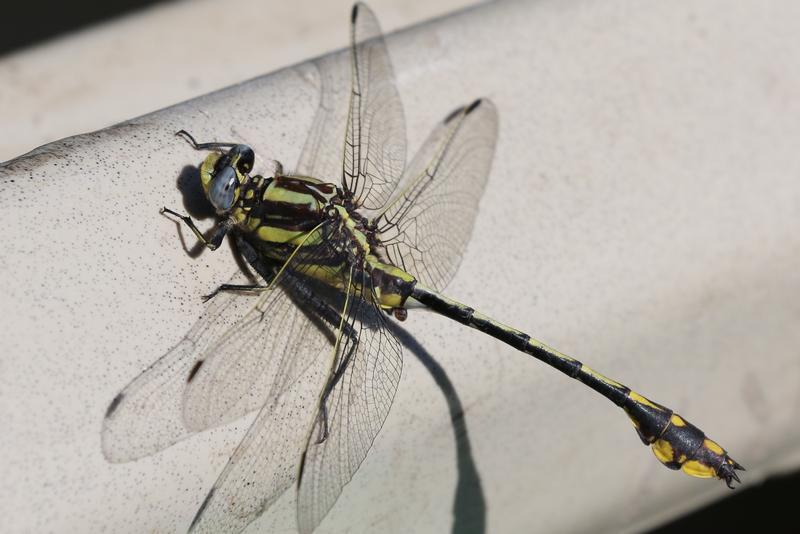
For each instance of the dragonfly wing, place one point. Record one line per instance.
(265, 463)
(258, 358)
(367, 367)
(375, 137)
(266, 350)
(240, 352)
(147, 416)
(427, 224)
(321, 156)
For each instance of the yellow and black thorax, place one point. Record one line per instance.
(279, 214)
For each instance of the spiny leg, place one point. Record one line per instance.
(267, 270)
(216, 238)
(338, 365)
(242, 288)
(189, 138)
(219, 234)
(252, 257)
(333, 379)
(676, 443)
(346, 330)
(236, 288)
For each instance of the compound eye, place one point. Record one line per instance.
(223, 189)
(246, 158)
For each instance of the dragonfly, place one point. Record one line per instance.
(352, 240)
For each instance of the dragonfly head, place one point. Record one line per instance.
(223, 171)
(222, 174)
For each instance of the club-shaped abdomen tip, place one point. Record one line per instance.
(678, 444)
(684, 446)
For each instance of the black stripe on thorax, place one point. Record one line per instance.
(320, 191)
(285, 210)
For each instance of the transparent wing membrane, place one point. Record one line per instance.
(358, 377)
(243, 350)
(426, 226)
(369, 118)
(375, 139)
(353, 407)
(266, 462)
(147, 416)
(265, 352)
(321, 156)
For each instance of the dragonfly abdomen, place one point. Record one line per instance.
(676, 443)
(392, 285)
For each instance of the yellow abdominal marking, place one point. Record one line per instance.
(589, 371)
(697, 469)
(539, 345)
(712, 446)
(663, 451)
(644, 400)
(676, 420)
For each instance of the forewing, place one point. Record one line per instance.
(368, 366)
(375, 138)
(321, 156)
(147, 416)
(427, 224)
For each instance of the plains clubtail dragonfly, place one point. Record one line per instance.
(339, 259)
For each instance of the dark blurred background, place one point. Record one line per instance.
(30, 22)
(764, 506)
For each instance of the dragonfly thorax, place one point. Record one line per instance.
(282, 209)
(283, 216)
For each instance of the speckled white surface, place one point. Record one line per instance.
(642, 215)
(168, 53)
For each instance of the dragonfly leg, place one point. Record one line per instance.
(332, 381)
(216, 238)
(236, 288)
(323, 416)
(250, 256)
(202, 146)
(323, 402)
(277, 167)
